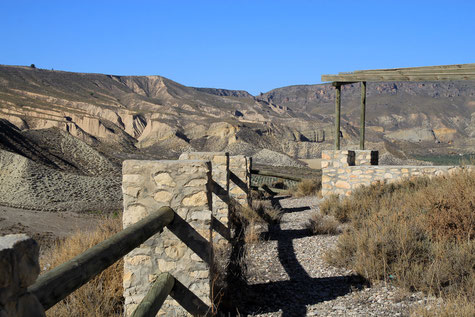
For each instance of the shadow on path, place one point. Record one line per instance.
(293, 295)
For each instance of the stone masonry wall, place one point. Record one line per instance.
(366, 157)
(184, 186)
(342, 181)
(241, 166)
(219, 174)
(344, 158)
(344, 171)
(337, 158)
(19, 268)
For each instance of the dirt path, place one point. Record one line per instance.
(287, 275)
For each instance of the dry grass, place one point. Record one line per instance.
(418, 233)
(307, 187)
(102, 296)
(255, 217)
(322, 224)
(452, 307)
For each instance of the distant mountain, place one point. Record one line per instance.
(122, 116)
(416, 116)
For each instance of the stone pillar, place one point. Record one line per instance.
(338, 158)
(240, 166)
(366, 157)
(183, 248)
(219, 174)
(19, 268)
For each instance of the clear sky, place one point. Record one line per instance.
(250, 45)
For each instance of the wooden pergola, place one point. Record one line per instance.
(428, 73)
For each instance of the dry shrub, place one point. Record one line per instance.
(452, 307)
(417, 233)
(321, 224)
(307, 187)
(103, 295)
(252, 219)
(260, 212)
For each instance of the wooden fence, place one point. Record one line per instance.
(172, 225)
(53, 286)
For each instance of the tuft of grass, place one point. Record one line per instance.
(452, 307)
(103, 295)
(418, 234)
(307, 187)
(322, 224)
(253, 218)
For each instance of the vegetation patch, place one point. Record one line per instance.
(103, 295)
(418, 234)
(322, 224)
(447, 159)
(252, 219)
(307, 187)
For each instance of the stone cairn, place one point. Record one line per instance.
(199, 189)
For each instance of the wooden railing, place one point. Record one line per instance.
(53, 286)
(276, 175)
(267, 186)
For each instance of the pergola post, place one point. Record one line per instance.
(337, 114)
(363, 110)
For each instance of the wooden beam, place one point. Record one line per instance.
(363, 113)
(342, 83)
(55, 285)
(423, 68)
(397, 77)
(153, 301)
(276, 175)
(337, 116)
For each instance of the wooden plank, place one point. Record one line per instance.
(423, 68)
(390, 77)
(363, 113)
(278, 175)
(153, 301)
(415, 72)
(55, 285)
(337, 116)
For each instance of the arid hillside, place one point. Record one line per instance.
(60, 128)
(417, 117)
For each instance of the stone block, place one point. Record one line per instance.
(19, 268)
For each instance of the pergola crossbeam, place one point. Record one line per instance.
(426, 73)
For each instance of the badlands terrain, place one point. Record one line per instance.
(63, 135)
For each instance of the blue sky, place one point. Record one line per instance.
(250, 45)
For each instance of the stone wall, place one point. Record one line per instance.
(240, 166)
(344, 158)
(19, 268)
(184, 186)
(199, 188)
(345, 170)
(342, 181)
(220, 175)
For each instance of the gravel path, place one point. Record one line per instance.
(287, 275)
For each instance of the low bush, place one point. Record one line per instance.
(307, 187)
(103, 295)
(253, 218)
(321, 224)
(416, 233)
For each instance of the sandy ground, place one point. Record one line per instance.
(313, 163)
(44, 226)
